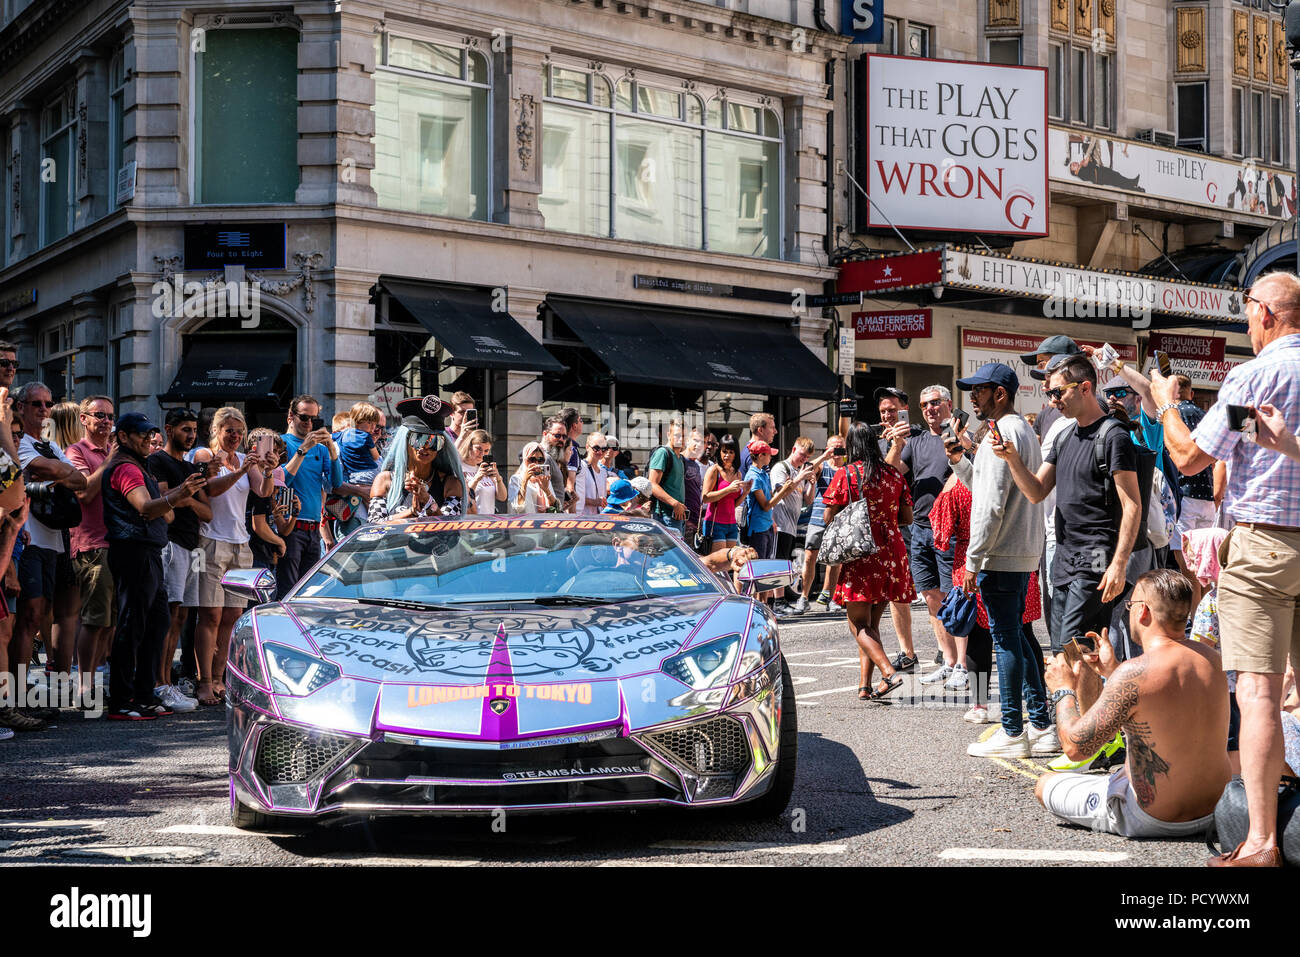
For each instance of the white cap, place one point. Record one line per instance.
(642, 485)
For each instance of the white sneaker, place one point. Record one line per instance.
(800, 606)
(6, 733)
(1042, 743)
(186, 687)
(959, 681)
(187, 697)
(934, 677)
(1000, 745)
(173, 699)
(977, 715)
(834, 607)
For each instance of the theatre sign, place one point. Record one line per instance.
(1074, 293)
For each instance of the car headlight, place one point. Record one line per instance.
(706, 666)
(295, 672)
(244, 656)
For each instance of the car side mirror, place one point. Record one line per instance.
(255, 583)
(765, 574)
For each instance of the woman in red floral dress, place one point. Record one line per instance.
(868, 585)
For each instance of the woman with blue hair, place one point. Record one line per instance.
(420, 475)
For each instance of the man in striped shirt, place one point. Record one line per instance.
(1260, 584)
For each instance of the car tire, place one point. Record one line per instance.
(774, 802)
(250, 819)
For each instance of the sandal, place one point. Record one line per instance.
(892, 683)
(209, 702)
(864, 697)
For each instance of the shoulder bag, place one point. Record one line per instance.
(848, 537)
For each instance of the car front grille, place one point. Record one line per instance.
(292, 756)
(717, 746)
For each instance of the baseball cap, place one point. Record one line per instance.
(641, 484)
(621, 492)
(890, 392)
(759, 447)
(1054, 363)
(1052, 346)
(991, 373)
(136, 422)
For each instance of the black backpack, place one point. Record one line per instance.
(1145, 475)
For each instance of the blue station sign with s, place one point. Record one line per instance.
(863, 20)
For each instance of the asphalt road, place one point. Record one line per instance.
(878, 784)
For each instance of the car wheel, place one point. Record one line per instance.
(774, 802)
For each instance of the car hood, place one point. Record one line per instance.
(505, 673)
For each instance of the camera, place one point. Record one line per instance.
(41, 491)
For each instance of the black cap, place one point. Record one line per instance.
(426, 415)
(888, 391)
(136, 422)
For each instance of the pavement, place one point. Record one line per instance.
(878, 784)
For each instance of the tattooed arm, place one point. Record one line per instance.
(1082, 736)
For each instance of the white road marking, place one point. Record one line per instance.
(224, 830)
(803, 681)
(137, 852)
(1026, 854)
(750, 847)
(818, 694)
(800, 654)
(365, 860)
(49, 825)
(680, 864)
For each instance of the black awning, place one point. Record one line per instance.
(461, 318)
(229, 370)
(696, 349)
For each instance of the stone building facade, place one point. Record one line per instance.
(668, 156)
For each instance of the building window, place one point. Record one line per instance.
(1005, 50)
(1276, 130)
(1056, 81)
(1238, 121)
(58, 172)
(918, 40)
(658, 165)
(246, 116)
(1079, 85)
(1257, 135)
(1192, 120)
(889, 44)
(116, 124)
(431, 129)
(1105, 65)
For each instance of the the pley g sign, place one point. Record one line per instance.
(863, 20)
(961, 147)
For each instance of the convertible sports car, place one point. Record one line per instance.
(535, 663)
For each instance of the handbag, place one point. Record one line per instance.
(54, 506)
(958, 613)
(848, 537)
(1232, 820)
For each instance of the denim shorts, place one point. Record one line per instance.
(724, 532)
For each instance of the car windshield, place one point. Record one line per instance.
(471, 561)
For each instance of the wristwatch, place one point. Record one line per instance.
(1060, 695)
(1160, 412)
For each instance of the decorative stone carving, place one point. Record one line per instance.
(17, 173)
(168, 265)
(1061, 15)
(1261, 47)
(1240, 43)
(1004, 13)
(1083, 18)
(1280, 62)
(524, 130)
(1106, 19)
(81, 141)
(1190, 30)
(305, 262)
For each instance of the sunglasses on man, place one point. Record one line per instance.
(1118, 393)
(1057, 393)
(101, 415)
(10, 364)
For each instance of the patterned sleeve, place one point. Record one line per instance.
(377, 510)
(837, 493)
(941, 521)
(451, 507)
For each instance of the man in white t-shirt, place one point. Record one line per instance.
(589, 483)
(45, 571)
